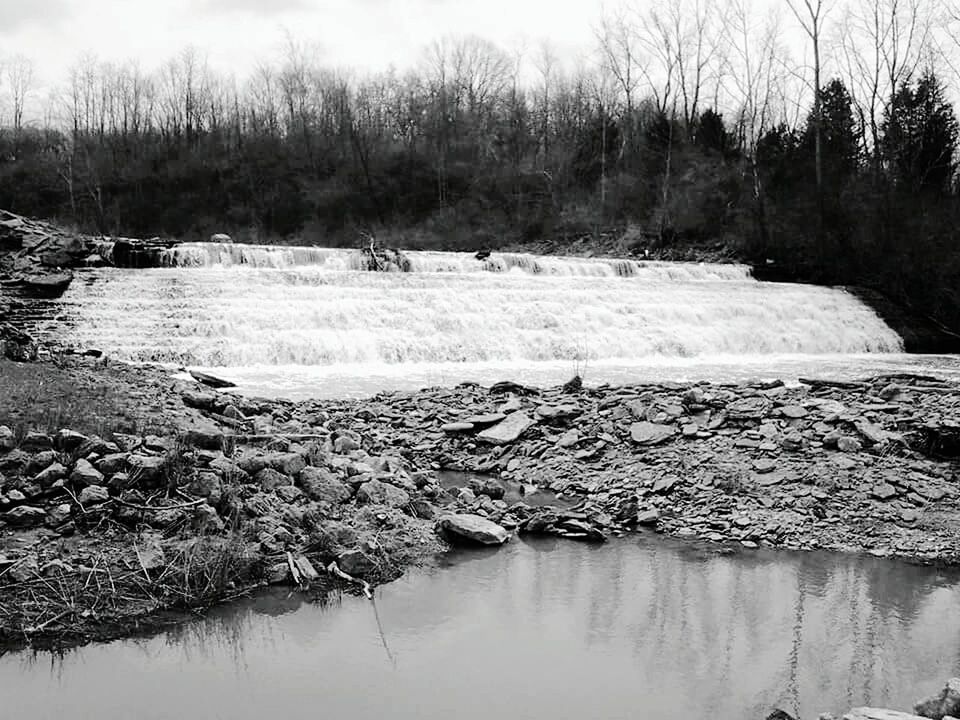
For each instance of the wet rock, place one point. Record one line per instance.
(321, 485)
(487, 486)
(473, 528)
(507, 430)
(25, 516)
(86, 474)
(944, 703)
(648, 433)
(376, 492)
(93, 495)
(579, 530)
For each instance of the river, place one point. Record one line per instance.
(305, 322)
(640, 627)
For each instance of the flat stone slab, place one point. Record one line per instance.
(868, 713)
(483, 420)
(474, 528)
(648, 433)
(508, 430)
(457, 427)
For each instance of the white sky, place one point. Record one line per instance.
(235, 34)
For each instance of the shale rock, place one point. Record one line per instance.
(473, 528)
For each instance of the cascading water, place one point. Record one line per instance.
(308, 313)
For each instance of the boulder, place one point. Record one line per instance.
(50, 475)
(376, 492)
(93, 495)
(357, 563)
(86, 474)
(648, 433)
(507, 430)
(287, 463)
(473, 528)
(322, 485)
(944, 703)
(25, 516)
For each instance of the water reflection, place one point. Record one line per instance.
(543, 628)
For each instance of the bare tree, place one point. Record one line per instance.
(19, 72)
(882, 42)
(811, 17)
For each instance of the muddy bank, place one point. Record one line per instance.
(153, 494)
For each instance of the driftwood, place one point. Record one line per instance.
(334, 569)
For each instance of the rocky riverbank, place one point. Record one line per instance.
(177, 496)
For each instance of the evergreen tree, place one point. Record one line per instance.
(920, 133)
(840, 139)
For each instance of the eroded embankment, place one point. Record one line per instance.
(177, 497)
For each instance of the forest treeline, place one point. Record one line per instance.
(690, 124)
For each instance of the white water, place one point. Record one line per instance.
(296, 317)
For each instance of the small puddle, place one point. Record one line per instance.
(514, 492)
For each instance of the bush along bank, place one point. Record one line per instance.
(102, 534)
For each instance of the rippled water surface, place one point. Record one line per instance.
(638, 628)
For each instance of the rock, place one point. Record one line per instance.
(474, 528)
(487, 486)
(8, 441)
(648, 517)
(112, 463)
(648, 433)
(884, 491)
(93, 495)
(270, 479)
(508, 430)
(946, 702)
(86, 474)
(207, 485)
(40, 461)
(423, 509)
(287, 463)
(558, 412)
(569, 438)
(749, 408)
(199, 399)
(68, 440)
(220, 238)
(457, 427)
(793, 412)
(485, 420)
(873, 434)
(665, 484)
(206, 437)
(376, 492)
(780, 715)
(849, 444)
(357, 563)
(146, 468)
(792, 441)
(36, 441)
(345, 444)
(25, 516)
(579, 530)
(868, 713)
(59, 514)
(322, 485)
(211, 380)
(889, 392)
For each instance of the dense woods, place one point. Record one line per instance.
(818, 141)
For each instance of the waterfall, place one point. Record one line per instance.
(235, 305)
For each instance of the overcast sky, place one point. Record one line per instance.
(235, 34)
